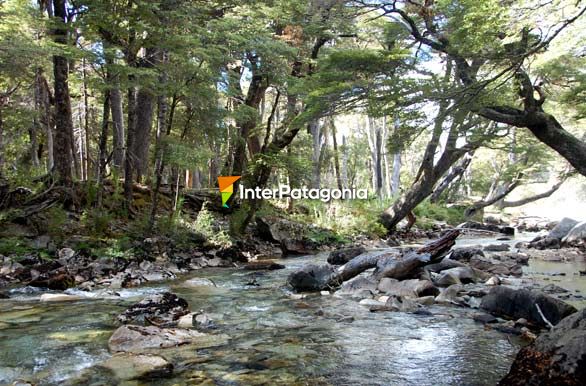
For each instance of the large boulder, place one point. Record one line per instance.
(554, 358)
(458, 275)
(287, 233)
(521, 303)
(562, 229)
(359, 286)
(342, 256)
(312, 277)
(465, 253)
(577, 236)
(413, 288)
(161, 309)
(144, 339)
(505, 267)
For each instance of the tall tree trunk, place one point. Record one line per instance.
(316, 157)
(116, 106)
(63, 121)
(44, 115)
(86, 122)
(103, 150)
(397, 163)
(145, 103)
(162, 130)
(1, 143)
(336, 155)
(129, 158)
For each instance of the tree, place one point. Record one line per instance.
(63, 122)
(464, 39)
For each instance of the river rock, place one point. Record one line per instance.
(312, 277)
(186, 321)
(66, 254)
(199, 282)
(161, 309)
(577, 236)
(497, 248)
(263, 265)
(459, 275)
(58, 298)
(484, 318)
(554, 358)
(545, 242)
(465, 254)
(342, 256)
(127, 366)
(520, 303)
(413, 288)
(375, 305)
(562, 229)
(496, 267)
(140, 339)
(443, 265)
(450, 295)
(55, 280)
(286, 233)
(358, 288)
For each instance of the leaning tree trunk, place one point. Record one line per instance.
(454, 174)
(63, 121)
(429, 174)
(477, 206)
(524, 201)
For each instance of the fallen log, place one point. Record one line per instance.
(387, 264)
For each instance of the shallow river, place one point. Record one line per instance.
(273, 338)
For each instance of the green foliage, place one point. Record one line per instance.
(57, 219)
(346, 219)
(427, 213)
(14, 246)
(207, 225)
(97, 221)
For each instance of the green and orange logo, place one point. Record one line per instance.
(226, 185)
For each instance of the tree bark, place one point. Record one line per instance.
(44, 115)
(103, 151)
(510, 204)
(339, 179)
(63, 121)
(456, 172)
(145, 103)
(244, 139)
(429, 173)
(159, 147)
(117, 115)
(474, 208)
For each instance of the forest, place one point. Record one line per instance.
(420, 206)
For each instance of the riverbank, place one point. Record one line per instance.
(274, 335)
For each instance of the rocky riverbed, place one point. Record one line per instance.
(236, 326)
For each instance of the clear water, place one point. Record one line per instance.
(274, 339)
